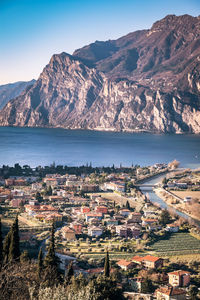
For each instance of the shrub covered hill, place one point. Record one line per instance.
(148, 80)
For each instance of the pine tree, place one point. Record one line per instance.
(1, 246)
(14, 250)
(40, 264)
(107, 266)
(6, 246)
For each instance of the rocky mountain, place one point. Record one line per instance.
(148, 80)
(12, 90)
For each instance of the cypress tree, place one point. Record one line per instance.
(1, 246)
(127, 204)
(107, 266)
(51, 260)
(14, 250)
(40, 264)
(6, 246)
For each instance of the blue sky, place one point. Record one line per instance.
(31, 31)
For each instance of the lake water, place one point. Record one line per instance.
(41, 146)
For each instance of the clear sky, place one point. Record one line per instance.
(31, 31)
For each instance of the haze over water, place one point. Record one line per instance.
(39, 146)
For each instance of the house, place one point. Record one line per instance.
(148, 261)
(135, 217)
(85, 209)
(115, 186)
(137, 259)
(95, 231)
(179, 278)
(68, 233)
(89, 216)
(17, 202)
(89, 188)
(55, 198)
(77, 227)
(101, 209)
(128, 231)
(152, 262)
(170, 293)
(187, 199)
(124, 212)
(125, 265)
(172, 228)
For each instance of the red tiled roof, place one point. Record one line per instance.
(137, 258)
(124, 262)
(150, 258)
(169, 291)
(179, 273)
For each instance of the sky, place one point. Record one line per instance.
(31, 31)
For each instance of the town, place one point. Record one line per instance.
(102, 212)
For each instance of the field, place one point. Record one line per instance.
(183, 194)
(177, 244)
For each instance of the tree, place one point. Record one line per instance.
(6, 246)
(51, 260)
(193, 292)
(165, 217)
(147, 286)
(107, 266)
(1, 246)
(24, 257)
(38, 196)
(14, 250)
(70, 273)
(164, 181)
(40, 263)
(127, 204)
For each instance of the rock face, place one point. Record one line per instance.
(12, 90)
(148, 80)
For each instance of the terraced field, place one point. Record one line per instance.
(177, 244)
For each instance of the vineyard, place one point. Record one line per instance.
(177, 244)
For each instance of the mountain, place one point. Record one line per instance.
(148, 80)
(12, 90)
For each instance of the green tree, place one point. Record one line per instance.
(107, 266)
(51, 263)
(193, 292)
(51, 259)
(164, 181)
(24, 257)
(165, 217)
(6, 246)
(38, 197)
(14, 249)
(40, 265)
(147, 286)
(70, 273)
(127, 204)
(1, 246)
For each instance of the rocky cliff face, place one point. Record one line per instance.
(12, 90)
(146, 81)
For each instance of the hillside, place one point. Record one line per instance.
(148, 80)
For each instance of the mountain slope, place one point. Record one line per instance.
(12, 90)
(148, 80)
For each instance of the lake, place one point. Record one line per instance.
(43, 146)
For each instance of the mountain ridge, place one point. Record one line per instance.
(148, 80)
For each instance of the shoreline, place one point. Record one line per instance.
(159, 192)
(101, 129)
